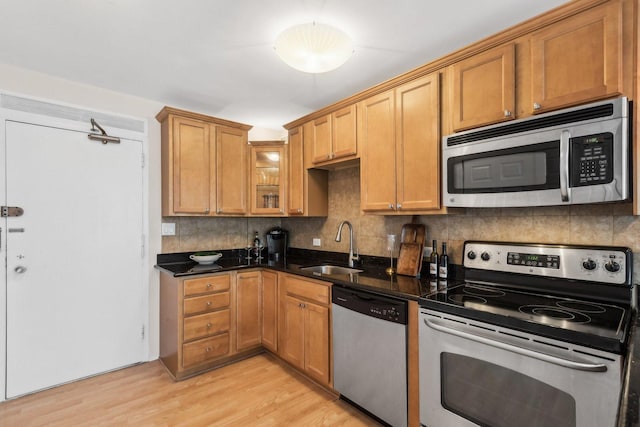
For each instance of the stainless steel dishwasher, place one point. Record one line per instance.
(370, 353)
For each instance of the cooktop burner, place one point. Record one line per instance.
(587, 301)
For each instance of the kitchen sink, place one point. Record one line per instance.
(329, 269)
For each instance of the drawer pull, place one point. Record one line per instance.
(209, 325)
(209, 285)
(208, 303)
(208, 349)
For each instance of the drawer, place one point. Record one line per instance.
(201, 351)
(205, 303)
(206, 284)
(205, 324)
(306, 289)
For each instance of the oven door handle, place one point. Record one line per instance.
(591, 367)
(564, 165)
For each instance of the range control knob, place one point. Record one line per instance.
(471, 255)
(612, 266)
(485, 256)
(589, 264)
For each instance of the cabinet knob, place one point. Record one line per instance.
(208, 303)
(390, 205)
(399, 205)
(207, 350)
(507, 113)
(219, 211)
(536, 106)
(209, 285)
(209, 325)
(206, 211)
(299, 210)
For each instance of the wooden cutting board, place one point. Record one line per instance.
(413, 233)
(409, 259)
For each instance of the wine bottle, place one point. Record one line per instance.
(444, 263)
(256, 240)
(433, 261)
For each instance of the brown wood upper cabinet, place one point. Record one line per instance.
(578, 59)
(204, 166)
(484, 88)
(399, 136)
(335, 136)
(307, 194)
(268, 174)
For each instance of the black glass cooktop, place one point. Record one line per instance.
(593, 323)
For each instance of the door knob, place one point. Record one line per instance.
(20, 269)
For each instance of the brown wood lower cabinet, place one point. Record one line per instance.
(304, 337)
(210, 320)
(197, 322)
(270, 310)
(248, 310)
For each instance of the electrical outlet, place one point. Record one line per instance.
(168, 228)
(316, 242)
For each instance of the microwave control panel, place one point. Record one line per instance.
(591, 159)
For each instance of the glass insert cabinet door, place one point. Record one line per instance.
(267, 184)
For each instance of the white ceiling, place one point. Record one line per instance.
(216, 56)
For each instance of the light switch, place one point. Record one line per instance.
(168, 228)
(316, 242)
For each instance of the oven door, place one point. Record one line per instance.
(472, 373)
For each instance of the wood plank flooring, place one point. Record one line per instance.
(260, 391)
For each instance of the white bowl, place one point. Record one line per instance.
(206, 259)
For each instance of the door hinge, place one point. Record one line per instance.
(142, 246)
(6, 211)
(142, 333)
(142, 162)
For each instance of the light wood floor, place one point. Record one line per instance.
(259, 391)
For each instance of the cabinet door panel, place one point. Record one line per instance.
(577, 60)
(377, 159)
(270, 310)
(248, 310)
(231, 152)
(292, 332)
(344, 140)
(267, 179)
(418, 144)
(316, 352)
(484, 88)
(321, 140)
(192, 178)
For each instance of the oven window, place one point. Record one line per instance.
(492, 396)
(528, 168)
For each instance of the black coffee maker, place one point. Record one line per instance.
(277, 240)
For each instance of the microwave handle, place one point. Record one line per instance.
(564, 165)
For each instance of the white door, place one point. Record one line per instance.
(74, 262)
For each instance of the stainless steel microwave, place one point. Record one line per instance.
(573, 156)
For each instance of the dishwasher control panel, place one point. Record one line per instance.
(374, 305)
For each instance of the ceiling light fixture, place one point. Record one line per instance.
(314, 47)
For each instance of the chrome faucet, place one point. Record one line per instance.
(352, 257)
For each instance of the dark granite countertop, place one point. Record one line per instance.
(373, 277)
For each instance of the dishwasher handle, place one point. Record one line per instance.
(581, 366)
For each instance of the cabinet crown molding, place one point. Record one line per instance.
(166, 111)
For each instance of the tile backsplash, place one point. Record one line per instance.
(605, 224)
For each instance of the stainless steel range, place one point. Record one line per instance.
(535, 336)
